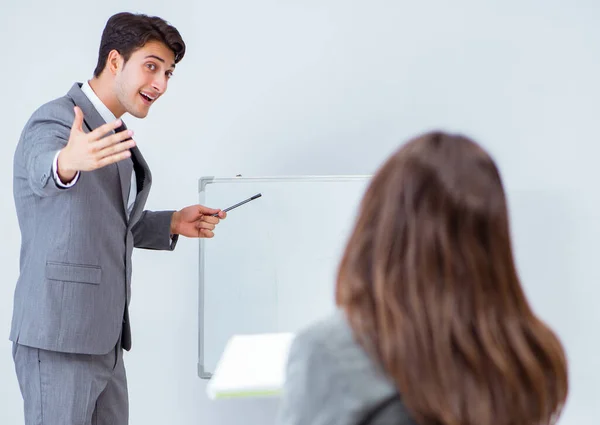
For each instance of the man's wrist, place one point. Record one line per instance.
(65, 173)
(174, 221)
(62, 183)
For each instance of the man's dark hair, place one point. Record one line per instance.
(126, 32)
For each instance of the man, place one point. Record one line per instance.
(80, 186)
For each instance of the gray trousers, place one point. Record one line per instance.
(72, 389)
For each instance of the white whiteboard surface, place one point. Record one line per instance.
(272, 264)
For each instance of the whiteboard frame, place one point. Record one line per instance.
(202, 183)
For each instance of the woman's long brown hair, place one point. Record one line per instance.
(429, 286)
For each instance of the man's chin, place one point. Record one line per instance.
(139, 113)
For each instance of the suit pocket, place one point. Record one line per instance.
(80, 273)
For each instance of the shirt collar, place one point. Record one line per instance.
(104, 112)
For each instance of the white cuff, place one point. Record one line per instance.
(57, 180)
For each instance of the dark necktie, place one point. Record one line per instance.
(139, 170)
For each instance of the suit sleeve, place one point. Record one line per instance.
(153, 231)
(44, 137)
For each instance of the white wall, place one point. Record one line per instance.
(328, 87)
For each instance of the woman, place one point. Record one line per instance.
(433, 326)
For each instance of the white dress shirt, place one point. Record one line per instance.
(107, 116)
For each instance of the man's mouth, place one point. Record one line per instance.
(147, 97)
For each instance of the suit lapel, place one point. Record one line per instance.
(92, 119)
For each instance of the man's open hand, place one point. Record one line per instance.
(93, 150)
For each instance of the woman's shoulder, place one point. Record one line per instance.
(338, 373)
(329, 349)
(332, 342)
(332, 332)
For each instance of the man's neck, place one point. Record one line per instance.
(105, 92)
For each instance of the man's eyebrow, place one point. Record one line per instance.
(158, 58)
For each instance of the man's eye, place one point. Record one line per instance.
(151, 66)
(169, 74)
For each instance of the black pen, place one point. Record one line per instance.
(258, 195)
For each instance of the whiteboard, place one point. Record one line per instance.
(272, 264)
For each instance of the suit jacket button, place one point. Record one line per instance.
(44, 178)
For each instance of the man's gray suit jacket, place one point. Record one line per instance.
(74, 284)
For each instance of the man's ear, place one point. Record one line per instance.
(114, 61)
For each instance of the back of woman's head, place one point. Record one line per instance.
(430, 289)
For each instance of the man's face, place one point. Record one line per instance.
(144, 78)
